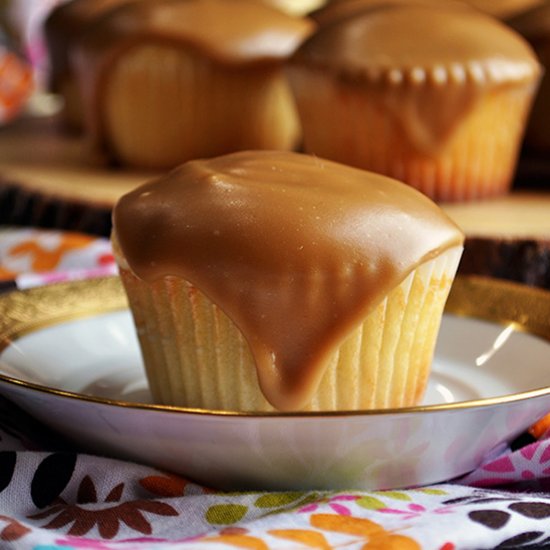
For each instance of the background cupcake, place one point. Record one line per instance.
(274, 280)
(171, 80)
(437, 98)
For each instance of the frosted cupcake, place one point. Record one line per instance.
(62, 29)
(171, 80)
(440, 103)
(266, 281)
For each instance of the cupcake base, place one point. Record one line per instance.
(477, 160)
(196, 357)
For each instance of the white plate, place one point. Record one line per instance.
(70, 358)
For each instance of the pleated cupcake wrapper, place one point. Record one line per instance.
(164, 106)
(347, 123)
(196, 357)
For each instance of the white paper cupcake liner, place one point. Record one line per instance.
(355, 123)
(196, 357)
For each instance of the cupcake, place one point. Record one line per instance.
(440, 104)
(171, 80)
(264, 281)
(534, 25)
(62, 29)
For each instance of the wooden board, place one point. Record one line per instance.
(507, 238)
(49, 179)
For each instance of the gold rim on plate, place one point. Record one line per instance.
(527, 309)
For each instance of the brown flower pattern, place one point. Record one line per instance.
(12, 530)
(108, 519)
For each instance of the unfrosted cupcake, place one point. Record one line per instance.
(275, 280)
(534, 25)
(62, 29)
(437, 98)
(166, 81)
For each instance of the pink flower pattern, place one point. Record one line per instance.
(416, 510)
(333, 503)
(528, 463)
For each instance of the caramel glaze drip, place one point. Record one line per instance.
(234, 33)
(429, 67)
(296, 250)
(228, 31)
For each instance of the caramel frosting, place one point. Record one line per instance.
(64, 26)
(428, 66)
(228, 31)
(296, 250)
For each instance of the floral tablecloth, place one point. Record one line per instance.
(54, 497)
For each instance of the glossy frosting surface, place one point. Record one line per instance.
(230, 31)
(295, 249)
(389, 39)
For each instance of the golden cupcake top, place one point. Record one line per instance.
(296, 250)
(229, 31)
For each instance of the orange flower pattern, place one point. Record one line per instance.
(16, 84)
(35, 256)
(368, 534)
(43, 258)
